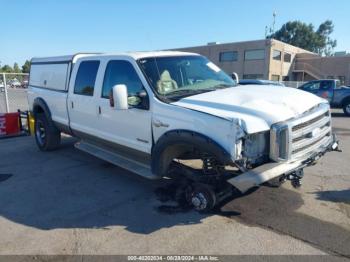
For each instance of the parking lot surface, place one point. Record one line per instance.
(67, 202)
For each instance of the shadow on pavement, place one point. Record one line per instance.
(70, 189)
(277, 209)
(337, 196)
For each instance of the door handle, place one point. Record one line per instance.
(158, 123)
(99, 110)
(72, 104)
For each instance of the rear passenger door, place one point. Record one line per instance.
(81, 101)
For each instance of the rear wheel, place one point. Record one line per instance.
(47, 136)
(346, 107)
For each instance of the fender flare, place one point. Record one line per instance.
(173, 143)
(40, 103)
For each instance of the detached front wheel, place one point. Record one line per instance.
(47, 136)
(203, 198)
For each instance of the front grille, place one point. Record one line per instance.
(312, 134)
(310, 122)
(307, 135)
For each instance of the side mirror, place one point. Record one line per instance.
(119, 97)
(235, 77)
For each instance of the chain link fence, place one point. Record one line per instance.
(295, 84)
(13, 92)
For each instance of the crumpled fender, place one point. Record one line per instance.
(176, 142)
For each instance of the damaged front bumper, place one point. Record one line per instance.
(266, 172)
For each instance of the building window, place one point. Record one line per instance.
(342, 80)
(253, 76)
(277, 55)
(228, 56)
(286, 78)
(275, 78)
(86, 77)
(287, 58)
(258, 54)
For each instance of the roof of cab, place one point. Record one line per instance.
(134, 55)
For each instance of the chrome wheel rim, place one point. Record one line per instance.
(40, 133)
(199, 201)
(347, 108)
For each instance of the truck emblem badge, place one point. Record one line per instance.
(316, 132)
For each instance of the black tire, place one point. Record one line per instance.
(47, 136)
(346, 107)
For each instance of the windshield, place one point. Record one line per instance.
(180, 76)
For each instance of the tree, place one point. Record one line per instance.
(304, 36)
(16, 68)
(6, 69)
(26, 67)
(324, 31)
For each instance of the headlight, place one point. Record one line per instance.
(256, 147)
(279, 146)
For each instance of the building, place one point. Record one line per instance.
(274, 60)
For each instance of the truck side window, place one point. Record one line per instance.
(326, 85)
(85, 79)
(312, 86)
(120, 72)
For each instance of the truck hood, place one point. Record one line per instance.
(256, 106)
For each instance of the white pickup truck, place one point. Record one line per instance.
(177, 115)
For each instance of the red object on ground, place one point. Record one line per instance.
(9, 124)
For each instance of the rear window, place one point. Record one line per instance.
(86, 77)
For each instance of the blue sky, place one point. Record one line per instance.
(46, 28)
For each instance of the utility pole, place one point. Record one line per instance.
(274, 22)
(271, 29)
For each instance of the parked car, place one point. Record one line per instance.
(24, 84)
(337, 95)
(14, 83)
(152, 112)
(259, 82)
(2, 87)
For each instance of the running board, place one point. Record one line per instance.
(116, 159)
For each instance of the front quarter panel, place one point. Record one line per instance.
(222, 131)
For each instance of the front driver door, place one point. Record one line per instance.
(326, 90)
(131, 128)
(312, 87)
